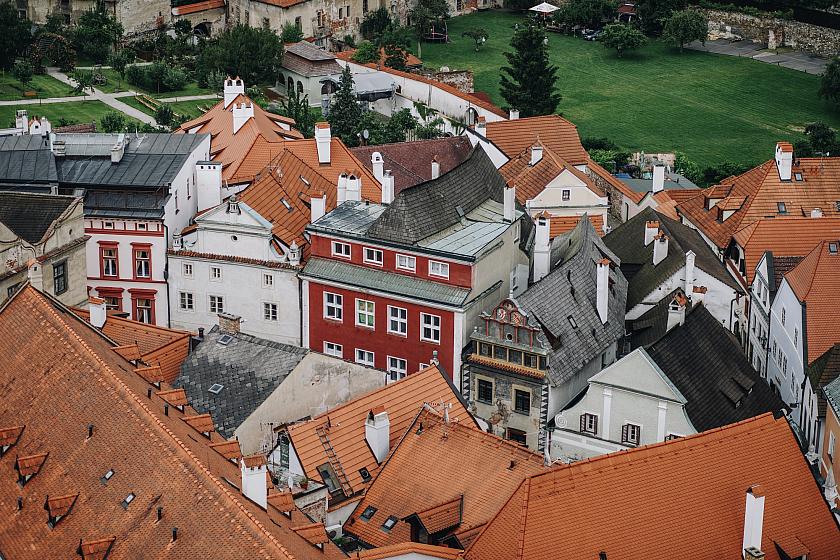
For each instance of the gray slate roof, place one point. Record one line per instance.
(372, 279)
(31, 215)
(832, 395)
(250, 369)
(569, 290)
(673, 181)
(653, 323)
(26, 159)
(627, 242)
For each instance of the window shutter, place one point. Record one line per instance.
(595, 424)
(583, 423)
(625, 429)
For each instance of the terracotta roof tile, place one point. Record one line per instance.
(195, 7)
(552, 131)
(711, 471)
(153, 374)
(60, 505)
(410, 59)
(281, 501)
(130, 352)
(175, 397)
(315, 533)
(443, 516)
(403, 549)
(253, 461)
(96, 549)
(9, 436)
(230, 450)
(531, 180)
(563, 224)
(30, 464)
(201, 423)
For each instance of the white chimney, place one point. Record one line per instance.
(254, 483)
(317, 206)
(542, 246)
(651, 229)
(689, 273)
(514, 114)
(98, 311)
(118, 149)
(378, 165)
(481, 126)
(341, 193)
(660, 248)
(676, 312)
(602, 287)
(322, 141)
(510, 204)
(753, 518)
(40, 127)
(294, 254)
(784, 160)
(177, 241)
(354, 187)
(22, 120)
(378, 433)
(35, 275)
(233, 87)
(536, 153)
(387, 187)
(241, 113)
(59, 148)
(658, 178)
(698, 294)
(208, 184)
(435, 168)
(816, 213)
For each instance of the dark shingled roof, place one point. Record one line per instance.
(823, 371)
(26, 159)
(429, 207)
(569, 290)
(704, 361)
(249, 368)
(653, 323)
(627, 242)
(779, 267)
(308, 60)
(31, 215)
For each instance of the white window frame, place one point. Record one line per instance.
(187, 270)
(183, 305)
(271, 311)
(334, 349)
(368, 313)
(268, 280)
(374, 252)
(402, 322)
(213, 270)
(430, 325)
(337, 250)
(365, 354)
(397, 368)
(220, 299)
(442, 273)
(337, 304)
(408, 259)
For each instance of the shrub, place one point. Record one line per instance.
(157, 77)
(112, 122)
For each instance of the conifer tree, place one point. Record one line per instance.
(529, 81)
(345, 111)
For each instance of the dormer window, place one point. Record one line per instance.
(389, 523)
(368, 513)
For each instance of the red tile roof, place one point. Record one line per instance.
(186, 9)
(315, 533)
(227, 449)
(694, 486)
(60, 505)
(403, 549)
(552, 131)
(559, 225)
(410, 59)
(282, 501)
(531, 180)
(202, 423)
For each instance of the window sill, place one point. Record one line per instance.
(525, 412)
(366, 327)
(398, 335)
(485, 402)
(426, 340)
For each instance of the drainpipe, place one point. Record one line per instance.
(166, 275)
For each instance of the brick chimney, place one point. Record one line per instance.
(254, 482)
(378, 433)
(658, 178)
(387, 187)
(542, 246)
(378, 165)
(602, 287)
(98, 311)
(435, 168)
(241, 113)
(510, 204)
(784, 160)
(660, 248)
(753, 521)
(233, 87)
(676, 312)
(229, 323)
(323, 139)
(651, 229)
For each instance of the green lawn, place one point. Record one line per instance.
(712, 107)
(72, 113)
(191, 109)
(43, 85)
(115, 84)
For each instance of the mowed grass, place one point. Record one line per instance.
(714, 108)
(116, 84)
(74, 112)
(43, 85)
(191, 109)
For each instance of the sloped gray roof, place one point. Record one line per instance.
(832, 395)
(569, 290)
(249, 368)
(31, 215)
(26, 159)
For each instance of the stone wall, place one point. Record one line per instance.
(774, 32)
(461, 80)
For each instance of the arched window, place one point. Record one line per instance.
(328, 88)
(281, 79)
(472, 116)
(300, 86)
(290, 87)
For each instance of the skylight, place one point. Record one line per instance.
(572, 322)
(368, 513)
(832, 247)
(797, 176)
(286, 204)
(365, 474)
(107, 476)
(128, 499)
(782, 208)
(389, 523)
(225, 339)
(216, 388)
(305, 181)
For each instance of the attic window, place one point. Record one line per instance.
(389, 523)
(224, 340)
(781, 207)
(128, 499)
(286, 204)
(107, 476)
(797, 176)
(365, 474)
(216, 388)
(460, 212)
(572, 322)
(304, 180)
(832, 248)
(368, 513)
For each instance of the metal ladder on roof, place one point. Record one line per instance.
(334, 462)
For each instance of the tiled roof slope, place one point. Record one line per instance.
(308, 60)
(816, 283)
(758, 192)
(424, 209)
(399, 550)
(559, 225)
(249, 368)
(32, 215)
(456, 460)
(784, 237)
(693, 486)
(552, 131)
(569, 290)
(74, 379)
(703, 360)
(832, 395)
(345, 424)
(531, 180)
(627, 241)
(411, 162)
(781, 266)
(823, 371)
(410, 59)
(159, 346)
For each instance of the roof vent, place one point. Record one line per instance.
(224, 340)
(216, 388)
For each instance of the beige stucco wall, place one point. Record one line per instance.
(135, 16)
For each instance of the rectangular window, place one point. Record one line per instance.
(109, 262)
(113, 303)
(373, 256)
(406, 262)
(531, 361)
(516, 435)
(397, 368)
(186, 301)
(485, 349)
(60, 277)
(795, 336)
(333, 349)
(567, 194)
(328, 477)
(631, 434)
(589, 424)
(143, 310)
(500, 353)
(364, 357)
(783, 315)
(215, 273)
(831, 444)
(439, 269)
(515, 356)
(430, 328)
(340, 13)
(268, 280)
(270, 311)
(143, 262)
(340, 249)
(398, 320)
(365, 311)
(522, 401)
(485, 391)
(217, 304)
(188, 270)
(365, 6)
(333, 306)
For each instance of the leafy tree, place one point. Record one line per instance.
(54, 24)
(120, 61)
(598, 144)
(182, 27)
(685, 26)
(821, 137)
(164, 115)
(291, 33)
(714, 174)
(830, 84)
(622, 38)
(349, 41)
(478, 35)
(375, 23)
(395, 57)
(424, 16)
(14, 35)
(344, 110)
(296, 106)
(84, 81)
(252, 54)
(654, 13)
(686, 167)
(529, 81)
(22, 72)
(112, 122)
(366, 53)
(96, 32)
(587, 13)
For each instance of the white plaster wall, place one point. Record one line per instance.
(783, 335)
(186, 206)
(339, 516)
(560, 396)
(581, 198)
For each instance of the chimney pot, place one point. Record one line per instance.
(233, 88)
(514, 114)
(660, 248)
(435, 168)
(536, 153)
(510, 204)
(651, 229)
(676, 312)
(378, 165)
(229, 323)
(378, 433)
(387, 187)
(323, 141)
(784, 160)
(753, 519)
(317, 206)
(98, 312)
